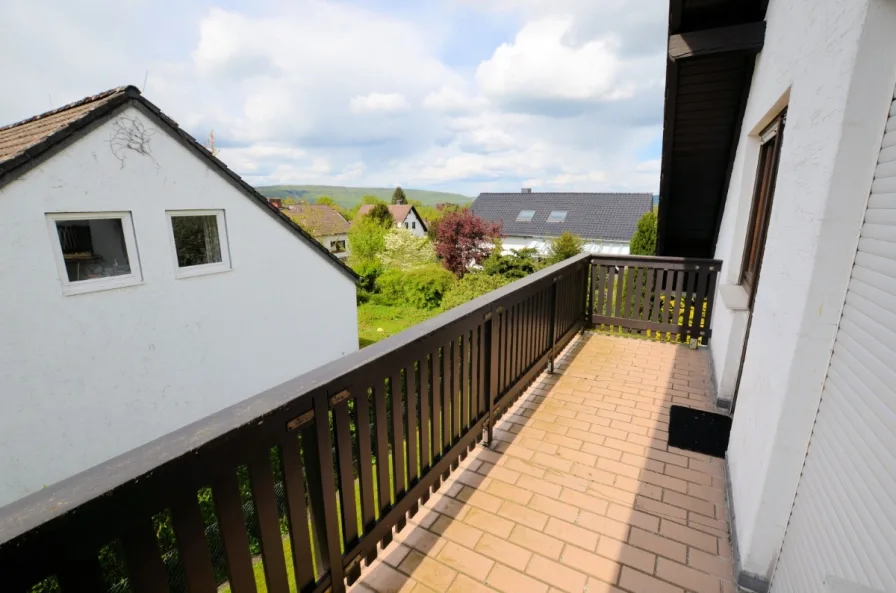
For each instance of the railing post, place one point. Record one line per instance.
(553, 326)
(491, 370)
(589, 281)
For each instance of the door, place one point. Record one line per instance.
(843, 524)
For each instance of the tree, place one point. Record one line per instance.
(380, 213)
(398, 196)
(366, 240)
(644, 239)
(325, 201)
(464, 239)
(406, 251)
(565, 246)
(519, 263)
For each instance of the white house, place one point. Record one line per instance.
(324, 224)
(405, 216)
(140, 279)
(604, 221)
(802, 196)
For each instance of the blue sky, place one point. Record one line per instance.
(456, 95)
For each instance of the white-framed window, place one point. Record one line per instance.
(557, 216)
(414, 224)
(199, 242)
(525, 216)
(94, 250)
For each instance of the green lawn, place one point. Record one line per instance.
(377, 322)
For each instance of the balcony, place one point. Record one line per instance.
(492, 448)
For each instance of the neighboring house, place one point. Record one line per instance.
(137, 278)
(606, 222)
(324, 224)
(405, 216)
(783, 165)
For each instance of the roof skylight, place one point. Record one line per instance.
(557, 216)
(525, 216)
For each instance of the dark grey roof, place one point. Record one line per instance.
(589, 215)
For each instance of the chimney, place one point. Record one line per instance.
(527, 190)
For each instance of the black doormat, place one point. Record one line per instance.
(702, 432)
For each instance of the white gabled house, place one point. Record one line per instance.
(405, 216)
(137, 281)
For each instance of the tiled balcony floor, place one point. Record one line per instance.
(580, 492)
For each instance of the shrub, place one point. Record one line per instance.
(567, 245)
(519, 263)
(422, 287)
(380, 213)
(644, 239)
(471, 286)
(368, 271)
(464, 239)
(366, 240)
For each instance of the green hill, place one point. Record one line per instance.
(348, 197)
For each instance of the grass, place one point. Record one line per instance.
(378, 322)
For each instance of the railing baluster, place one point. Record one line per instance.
(327, 489)
(601, 289)
(621, 276)
(82, 573)
(425, 415)
(365, 453)
(346, 473)
(457, 384)
(667, 303)
(649, 286)
(294, 484)
(437, 447)
(679, 294)
(692, 320)
(262, 480)
(492, 334)
(411, 419)
(657, 293)
(398, 440)
(232, 526)
(700, 297)
(189, 530)
(384, 485)
(146, 571)
(320, 534)
(710, 299)
(463, 391)
(447, 386)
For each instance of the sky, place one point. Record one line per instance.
(453, 95)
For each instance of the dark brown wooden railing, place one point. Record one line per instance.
(336, 458)
(665, 298)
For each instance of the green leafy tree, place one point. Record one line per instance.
(366, 240)
(398, 196)
(564, 247)
(380, 213)
(406, 251)
(325, 201)
(644, 239)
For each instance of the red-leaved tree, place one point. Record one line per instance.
(463, 239)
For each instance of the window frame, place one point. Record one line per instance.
(97, 284)
(530, 218)
(562, 220)
(761, 205)
(203, 269)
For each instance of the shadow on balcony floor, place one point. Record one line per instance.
(579, 491)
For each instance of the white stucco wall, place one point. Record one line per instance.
(833, 64)
(543, 245)
(325, 240)
(90, 376)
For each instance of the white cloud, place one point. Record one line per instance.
(325, 91)
(379, 103)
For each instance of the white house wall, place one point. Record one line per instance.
(543, 246)
(413, 224)
(327, 239)
(833, 64)
(90, 376)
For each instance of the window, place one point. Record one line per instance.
(525, 216)
(557, 216)
(94, 251)
(406, 225)
(337, 246)
(414, 224)
(199, 238)
(766, 175)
